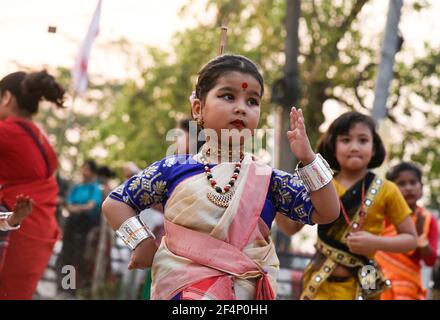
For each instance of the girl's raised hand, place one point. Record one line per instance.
(297, 136)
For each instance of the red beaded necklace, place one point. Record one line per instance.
(356, 226)
(222, 196)
(210, 178)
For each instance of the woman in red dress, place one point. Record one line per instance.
(27, 166)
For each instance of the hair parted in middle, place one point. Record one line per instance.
(217, 67)
(342, 125)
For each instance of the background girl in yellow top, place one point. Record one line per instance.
(403, 269)
(352, 147)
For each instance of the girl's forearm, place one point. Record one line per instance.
(288, 226)
(401, 243)
(326, 204)
(116, 212)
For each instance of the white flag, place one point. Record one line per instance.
(79, 71)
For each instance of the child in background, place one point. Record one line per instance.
(404, 269)
(346, 247)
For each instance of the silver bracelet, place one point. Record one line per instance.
(316, 174)
(4, 224)
(133, 231)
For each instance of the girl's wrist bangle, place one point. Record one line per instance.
(133, 231)
(316, 174)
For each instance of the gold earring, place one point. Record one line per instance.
(200, 122)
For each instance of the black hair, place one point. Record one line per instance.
(30, 88)
(342, 125)
(220, 65)
(394, 172)
(92, 165)
(105, 171)
(184, 125)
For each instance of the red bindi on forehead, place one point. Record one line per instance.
(244, 85)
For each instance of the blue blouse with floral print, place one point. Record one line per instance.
(286, 193)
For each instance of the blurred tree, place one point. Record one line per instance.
(168, 78)
(415, 115)
(336, 62)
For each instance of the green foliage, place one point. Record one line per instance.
(336, 63)
(417, 85)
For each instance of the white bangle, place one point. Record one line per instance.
(4, 224)
(133, 231)
(316, 174)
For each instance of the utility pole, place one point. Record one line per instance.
(286, 91)
(390, 46)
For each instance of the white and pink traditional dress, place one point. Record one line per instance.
(210, 252)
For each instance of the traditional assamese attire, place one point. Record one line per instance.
(210, 252)
(404, 269)
(382, 200)
(27, 166)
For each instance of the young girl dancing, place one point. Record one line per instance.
(343, 267)
(219, 209)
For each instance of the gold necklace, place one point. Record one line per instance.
(221, 196)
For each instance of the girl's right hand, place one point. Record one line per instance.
(362, 242)
(142, 256)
